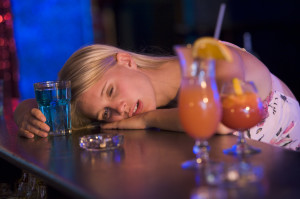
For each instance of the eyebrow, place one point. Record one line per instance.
(103, 88)
(102, 91)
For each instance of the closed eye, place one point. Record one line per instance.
(110, 91)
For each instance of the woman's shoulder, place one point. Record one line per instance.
(279, 85)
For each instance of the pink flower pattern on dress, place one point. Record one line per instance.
(266, 103)
(282, 137)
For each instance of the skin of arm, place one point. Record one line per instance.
(30, 120)
(167, 119)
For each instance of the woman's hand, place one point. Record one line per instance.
(30, 120)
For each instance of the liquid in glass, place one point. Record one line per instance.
(199, 111)
(241, 111)
(54, 103)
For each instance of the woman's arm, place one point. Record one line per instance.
(167, 119)
(30, 120)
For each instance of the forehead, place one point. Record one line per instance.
(108, 75)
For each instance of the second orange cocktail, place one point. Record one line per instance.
(241, 112)
(242, 109)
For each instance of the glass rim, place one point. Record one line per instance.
(52, 84)
(246, 85)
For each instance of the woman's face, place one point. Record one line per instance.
(122, 92)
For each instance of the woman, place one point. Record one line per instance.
(126, 90)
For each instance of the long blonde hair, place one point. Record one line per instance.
(87, 65)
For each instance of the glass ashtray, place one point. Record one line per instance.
(101, 142)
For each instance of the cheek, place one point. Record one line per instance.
(129, 89)
(138, 87)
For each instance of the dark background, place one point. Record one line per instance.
(154, 26)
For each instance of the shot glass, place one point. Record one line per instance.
(53, 98)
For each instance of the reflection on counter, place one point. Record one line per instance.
(16, 183)
(110, 156)
(31, 187)
(229, 181)
(27, 186)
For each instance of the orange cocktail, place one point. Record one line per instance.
(199, 109)
(241, 111)
(199, 102)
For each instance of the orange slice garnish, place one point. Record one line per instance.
(237, 86)
(211, 48)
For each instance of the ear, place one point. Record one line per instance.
(125, 59)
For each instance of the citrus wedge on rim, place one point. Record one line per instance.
(211, 48)
(237, 86)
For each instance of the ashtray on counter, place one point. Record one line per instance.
(101, 142)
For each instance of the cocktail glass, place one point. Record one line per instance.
(241, 111)
(199, 104)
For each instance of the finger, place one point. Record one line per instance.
(24, 133)
(39, 125)
(41, 133)
(35, 130)
(38, 114)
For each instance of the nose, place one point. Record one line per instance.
(122, 108)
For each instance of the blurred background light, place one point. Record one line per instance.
(46, 33)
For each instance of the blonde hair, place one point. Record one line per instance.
(88, 64)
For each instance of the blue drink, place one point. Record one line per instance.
(53, 98)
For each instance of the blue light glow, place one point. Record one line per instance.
(47, 32)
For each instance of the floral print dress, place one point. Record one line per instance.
(280, 126)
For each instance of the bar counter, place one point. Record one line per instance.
(148, 166)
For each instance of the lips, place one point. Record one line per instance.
(137, 108)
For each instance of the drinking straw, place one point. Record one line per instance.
(219, 21)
